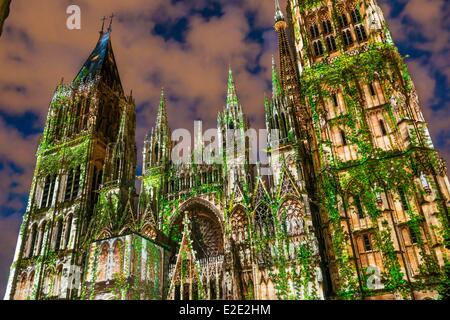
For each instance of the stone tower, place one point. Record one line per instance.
(83, 154)
(382, 186)
(232, 127)
(156, 160)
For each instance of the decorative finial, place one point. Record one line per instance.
(111, 17)
(278, 13)
(103, 24)
(232, 99)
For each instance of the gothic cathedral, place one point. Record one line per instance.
(355, 205)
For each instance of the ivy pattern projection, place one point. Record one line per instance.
(375, 171)
(295, 254)
(128, 267)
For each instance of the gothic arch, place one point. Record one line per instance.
(31, 243)
(125, 230)
(352, 187)
(49, 278)
(21, 286)
(68, 230)
(103, 261)
(206, 223)
(351, 194)
(201, 202)
(242, 253)
(117, 257)
(43, 226)
(263, 218)
(239, 224)
(57, 281)
(293, 212)
(28, 290)
(57, 233)
(149, 231)
(287, 185)
(105, 233)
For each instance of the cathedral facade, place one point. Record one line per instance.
(352, 204)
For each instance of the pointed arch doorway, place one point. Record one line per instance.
(196, 265)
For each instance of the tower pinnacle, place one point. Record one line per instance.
(278, 13)
(277, 89)
(280, 23)
(162, 114)
(232, 99)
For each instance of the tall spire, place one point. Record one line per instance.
(278, 13)
(290, 83)
(157, 151)
(288, 73)
(277, 89)
(161, 119)
(232, 99)
(101, 62)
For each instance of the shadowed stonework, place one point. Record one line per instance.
(4, 12)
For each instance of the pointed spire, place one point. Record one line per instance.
(161, 118)
(162, 100)
(159, 137)
(232, 99)
(101, 55)
(278, 13)
(103, 25)
(186, 261)
(288, 71)
(276, 83)
(111, 18)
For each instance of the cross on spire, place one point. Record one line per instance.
(103, 24)
(232, 99)
(111, 18)
(278, 13)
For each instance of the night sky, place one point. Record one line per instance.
(185, 47)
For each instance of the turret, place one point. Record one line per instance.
(232, 126)
(157, 145)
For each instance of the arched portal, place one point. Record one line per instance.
(205, 233)
(206, 228)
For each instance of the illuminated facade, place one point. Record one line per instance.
(355, 205)
(382, 186)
